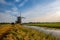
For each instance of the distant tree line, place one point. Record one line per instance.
(40, 22)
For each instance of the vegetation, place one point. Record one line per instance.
(4, 29)
(20, 33)
(49, 25)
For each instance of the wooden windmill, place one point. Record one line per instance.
(19, 19)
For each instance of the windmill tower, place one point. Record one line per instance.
(19, 18)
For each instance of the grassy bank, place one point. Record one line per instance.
(49, 25)
(20, 33)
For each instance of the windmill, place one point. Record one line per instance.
(19, 19)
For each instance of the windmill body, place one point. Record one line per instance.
(18, 20)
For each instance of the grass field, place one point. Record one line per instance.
(49, 25)
(20, 33)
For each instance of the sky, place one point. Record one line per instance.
(31, 10)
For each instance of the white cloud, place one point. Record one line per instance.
(22, 4)
(9, 15)
(5, 3)
(20, 0)
(12, 4)
(17, 0)
(48, 13)
(6, 18)
(14, 12)
(2, 1)
(54, 17)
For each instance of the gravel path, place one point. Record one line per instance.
(54, 32)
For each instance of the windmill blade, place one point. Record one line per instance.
(22, 17)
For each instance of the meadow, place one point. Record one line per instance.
(18, 32)
(48, 25)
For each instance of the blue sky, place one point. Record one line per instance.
(32, 10)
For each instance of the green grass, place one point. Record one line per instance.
(49, 25)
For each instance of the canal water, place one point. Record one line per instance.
(52, 31)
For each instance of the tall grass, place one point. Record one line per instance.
(18, 32)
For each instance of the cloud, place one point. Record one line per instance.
(54, 17)
(13, 2)
(22, 4)
(44, 13)
(2, 1)
(6, 18)
(5, 3)
(39, 13)
(17, 0)
(9, 15)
